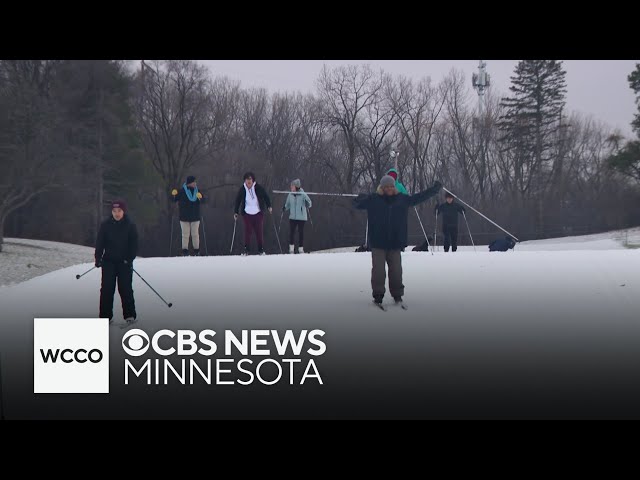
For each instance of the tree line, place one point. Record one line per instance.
(75, 135)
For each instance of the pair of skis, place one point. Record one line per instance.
(124, 325)
(384, 307)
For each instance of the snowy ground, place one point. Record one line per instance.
(23, 259)
(525, 333)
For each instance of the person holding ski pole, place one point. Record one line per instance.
(189, 199)
(297, 204)
(116, 248)
(251, 201)
(449, 211)
(387, 212)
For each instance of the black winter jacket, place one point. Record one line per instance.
(388, 216)
(117, 241)
(263, 199)
(449, 212)
(189, 211)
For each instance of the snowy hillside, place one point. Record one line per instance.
(553, 312)
(22, 259)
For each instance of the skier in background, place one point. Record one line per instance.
(399, 186)
(251, 201)
(297, 205)
(189, 199)
(449, 211)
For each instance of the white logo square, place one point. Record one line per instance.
(70, 355)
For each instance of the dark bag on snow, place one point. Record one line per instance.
(424, 247)
(502, 244)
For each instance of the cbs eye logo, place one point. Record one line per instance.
(135, 343)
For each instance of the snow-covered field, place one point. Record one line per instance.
(550, 317)
(22, 259)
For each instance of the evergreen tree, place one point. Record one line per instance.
(627, 159)
(531, 122)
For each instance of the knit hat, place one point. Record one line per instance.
(296, 183)
(190, 179)
(448, 195)
(119, 204)
(387, 181)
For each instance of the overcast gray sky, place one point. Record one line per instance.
(594, 87)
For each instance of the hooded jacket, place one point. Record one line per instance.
(297, 204)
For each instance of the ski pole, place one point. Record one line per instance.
(276, 230)
(469, 230)
(154, 291)
(280, 224)
(235, 221)
(171, 237)
(422, 226)
(80, 276)
(318, 193)
(366, 235)
(1, 393)
(483, 216)
(309, 214)
(435, 231)
(204, 235)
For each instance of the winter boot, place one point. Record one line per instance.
(185, 252)
(291, 247)
(195, 253)
(300, 249)
(245, 251)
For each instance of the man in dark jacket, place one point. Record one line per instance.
(449, 211)
(116, 248)
(388, 219)
(252, 200)
(189, 199)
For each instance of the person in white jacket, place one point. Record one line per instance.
(297, 204)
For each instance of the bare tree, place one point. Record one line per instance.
(174, 109)
(418, 107)
(346, 91)
(30, 137)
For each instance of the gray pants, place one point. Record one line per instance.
(379, 259)
(190, 229)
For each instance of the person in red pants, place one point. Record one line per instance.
(252, 200)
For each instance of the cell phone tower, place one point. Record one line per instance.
(481, 81)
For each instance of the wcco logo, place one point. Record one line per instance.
(71, 355)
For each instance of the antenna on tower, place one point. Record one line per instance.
(481, 81)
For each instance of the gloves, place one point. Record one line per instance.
(199, 195)
(438, 185)
(129, 263)
(174, 192)
(98, 262)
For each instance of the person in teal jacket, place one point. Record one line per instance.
(297, 204)
(399, 186)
